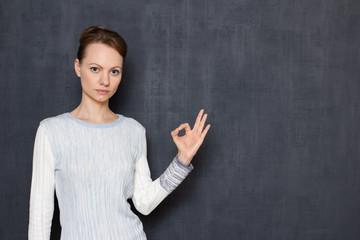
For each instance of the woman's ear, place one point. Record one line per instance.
(77, 67)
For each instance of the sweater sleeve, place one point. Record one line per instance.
(149, 194)
(42, 188)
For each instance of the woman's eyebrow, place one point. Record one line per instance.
(101, 66)
(94, 64)
(117, 67)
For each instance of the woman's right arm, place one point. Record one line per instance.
(42, 188)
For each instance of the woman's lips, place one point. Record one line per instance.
(102, 91)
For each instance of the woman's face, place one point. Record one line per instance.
(100, 72)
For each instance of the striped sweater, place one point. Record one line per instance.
(94, 169)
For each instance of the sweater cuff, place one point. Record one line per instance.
(174, 175)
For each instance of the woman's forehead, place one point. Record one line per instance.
(100, 53)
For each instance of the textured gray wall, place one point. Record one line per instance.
(279, 79)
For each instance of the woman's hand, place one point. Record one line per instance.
(189, 143)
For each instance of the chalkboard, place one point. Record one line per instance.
(279, 80)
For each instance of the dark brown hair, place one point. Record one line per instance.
(100, 34)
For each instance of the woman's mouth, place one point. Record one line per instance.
(102, 91)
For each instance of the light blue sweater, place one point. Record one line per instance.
(95, 169)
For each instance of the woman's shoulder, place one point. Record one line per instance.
(53, 125)
(54, 120)
(131, 122)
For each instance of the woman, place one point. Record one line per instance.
(96, 159)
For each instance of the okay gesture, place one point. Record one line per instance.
(189, 144)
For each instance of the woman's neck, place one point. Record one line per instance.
(94, 112)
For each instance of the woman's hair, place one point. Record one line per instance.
(100, 34)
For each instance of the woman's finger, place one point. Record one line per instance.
(202, 123)
(175, 132)
(203, 134)
(185, 126)
(198, 119)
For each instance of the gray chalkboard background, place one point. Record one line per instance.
(279, 79)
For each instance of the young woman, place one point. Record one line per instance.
(95, 159)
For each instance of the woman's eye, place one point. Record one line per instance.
(94, 69)
(115, 72)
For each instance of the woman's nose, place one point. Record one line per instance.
(105, 79)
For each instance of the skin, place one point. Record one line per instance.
(100, 73)
(190, 143)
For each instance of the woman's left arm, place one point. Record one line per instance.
(147, 193)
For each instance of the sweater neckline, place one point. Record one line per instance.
(95, 125)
